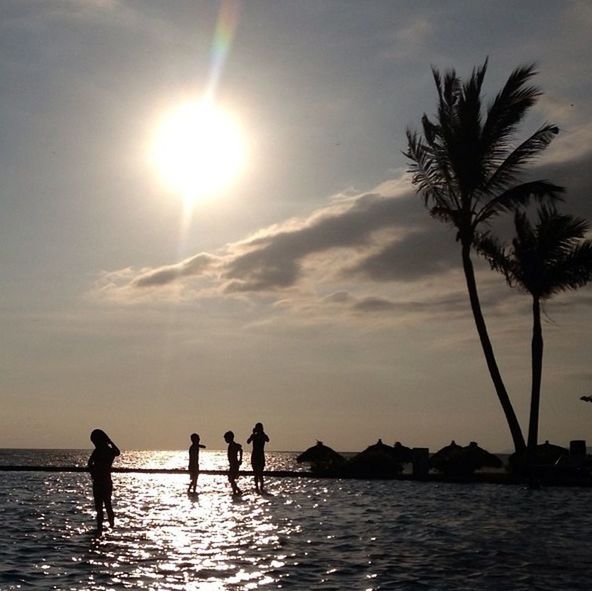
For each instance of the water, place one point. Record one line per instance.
(170, 460)
(307, 534)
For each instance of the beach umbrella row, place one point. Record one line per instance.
(378, 460)
(382, 460)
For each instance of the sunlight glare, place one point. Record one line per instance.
(198, 150)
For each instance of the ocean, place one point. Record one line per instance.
(305, 533)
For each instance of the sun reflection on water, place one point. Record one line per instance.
(222, 541)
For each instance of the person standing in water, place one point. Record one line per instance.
(235, 458)
(194, 462)
(99, 466)
(258, 438)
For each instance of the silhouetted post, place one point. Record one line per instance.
(577, 452)
(420, 456)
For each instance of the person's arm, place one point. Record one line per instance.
(250, 438)
(202, 446)
(266, 437)
(240, 454)
(115, 449)
(92, 464)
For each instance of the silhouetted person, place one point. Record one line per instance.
(235, 458)
(99, 466)
(194, 462)
(258, 438)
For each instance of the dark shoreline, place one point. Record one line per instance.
(479, 478)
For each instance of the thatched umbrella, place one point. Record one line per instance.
(375, 461)
(442, 458)
(379, 446)
(548, 453)
(401, 453)
(321, 458)
(476, 456)
(455, 460)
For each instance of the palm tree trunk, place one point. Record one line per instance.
(537, 372)
(502, 394)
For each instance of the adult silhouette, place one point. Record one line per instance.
(258, 438)
(99, 466)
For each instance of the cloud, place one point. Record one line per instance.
(276, 261)
(191, 267)
(575, 174)
(398, 261)
(409, 40)
(372, 304)
(347, 237)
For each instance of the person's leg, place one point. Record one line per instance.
(232, 476)
(108, 506)
(98, 498)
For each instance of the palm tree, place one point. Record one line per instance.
(466, 167)
(544, 260)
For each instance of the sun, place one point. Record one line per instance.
(198, 150)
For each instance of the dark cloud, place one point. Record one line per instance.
(453, 303)
(338, 297)
(576, 176)
(276, 260)
(413, 257)
(372, 304)
(165, 275)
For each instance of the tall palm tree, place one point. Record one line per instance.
(466, 167)
(545, 259)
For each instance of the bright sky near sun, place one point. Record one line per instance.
(206, 223)
(198, 149)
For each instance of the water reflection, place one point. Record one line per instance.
(309, 534)
(174, 539)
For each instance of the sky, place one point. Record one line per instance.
(314, 293)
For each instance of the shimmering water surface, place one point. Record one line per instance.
(305, 534)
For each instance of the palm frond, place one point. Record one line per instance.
(572, 271)
(508, 109)
(507, 171)
(430, 172)
(518, 196)
(460, 162)
(545, 258)
(498, 256)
